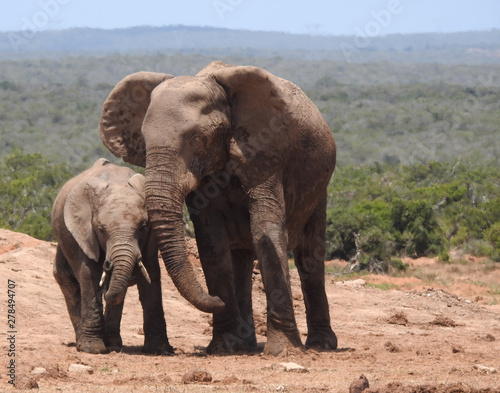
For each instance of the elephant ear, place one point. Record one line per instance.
(123, 113)
(78, 215)
(263, 128)
(137, 182)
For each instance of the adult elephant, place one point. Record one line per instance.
(104, 240)
(251, 156)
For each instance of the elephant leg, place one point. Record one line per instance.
(70, 289)
(268, 226)
(155, 327)
(309, 259)
(91, 327)
(215, 256)
(112, 322)
(242, 276)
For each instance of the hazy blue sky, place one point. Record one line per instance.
(376, 17)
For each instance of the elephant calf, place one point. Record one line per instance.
(104, 245)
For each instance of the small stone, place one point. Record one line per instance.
(359, 385)
(354, 283)
(195, 376)
(485, 369)
(293, 367)
(80, 369)
(38, 371)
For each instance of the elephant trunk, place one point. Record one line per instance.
(122, 257)
(165, 195)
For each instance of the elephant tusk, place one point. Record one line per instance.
(103, 277)
(144, 272)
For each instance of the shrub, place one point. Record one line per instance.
(417, 229)
(29, 184)
(398, 265)
(492, 235)
(444, 256)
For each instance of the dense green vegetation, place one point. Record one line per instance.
(379, 112)
(382, 211)
(418, 144)
(29, 184)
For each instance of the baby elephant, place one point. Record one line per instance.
(105, 245)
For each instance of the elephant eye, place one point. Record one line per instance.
(101, 230)
(196, 140)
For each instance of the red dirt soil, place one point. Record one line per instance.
(426, 335)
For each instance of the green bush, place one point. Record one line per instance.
(444, 256)
(398, 265)
(29, 184)
(479, 248)
(396, 210)
(342, 225)
(492, 235)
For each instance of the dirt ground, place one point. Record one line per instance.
(435, 329)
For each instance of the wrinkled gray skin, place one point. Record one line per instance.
(251, 156)
(101, 224)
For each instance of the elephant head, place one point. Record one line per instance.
(110, 224)
(240, 120)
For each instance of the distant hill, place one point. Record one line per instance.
(462, 47)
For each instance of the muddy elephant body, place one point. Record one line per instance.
(104, 245)
(251, 156)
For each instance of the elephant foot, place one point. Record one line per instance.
(279, 343)
(158, 347)
(230, 343)
(113, 342)
(95, 346)
(322, 339)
